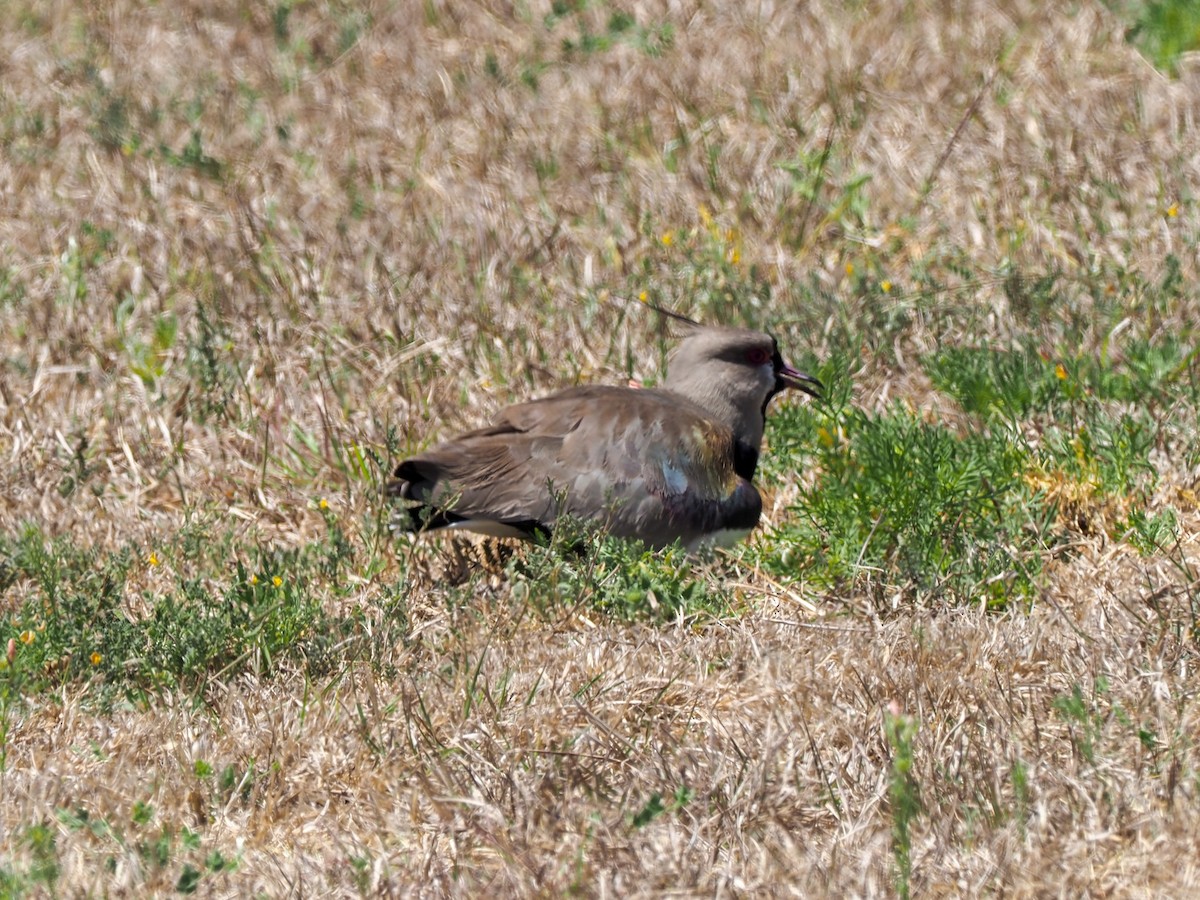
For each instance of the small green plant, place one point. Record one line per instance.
(147, 356)
(10, 697)
(1082, 718)
(82, 254)
(1019, 776)
(620, 28)
(904, 794)
(360, 867)
(652, 810)
(351, 27)
(12, 289)
(655, 806)
(112, 127)
(821, 197)
(41, 874)
(192, 156)
(158, 848)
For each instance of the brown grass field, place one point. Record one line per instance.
(252, 253)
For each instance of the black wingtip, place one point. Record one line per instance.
(410, 516)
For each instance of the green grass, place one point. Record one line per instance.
(137, 620)
(912, 506)
(1164, 29)
(904, 794)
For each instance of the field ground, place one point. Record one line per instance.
(251, 254)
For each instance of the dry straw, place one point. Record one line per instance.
(403, 215)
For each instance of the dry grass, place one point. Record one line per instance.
(385, 225)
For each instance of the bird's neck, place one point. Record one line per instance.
(740, 415)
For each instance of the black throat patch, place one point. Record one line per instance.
(745, 459)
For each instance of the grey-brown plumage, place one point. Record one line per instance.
(658, 464)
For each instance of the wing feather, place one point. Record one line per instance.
(642, 463)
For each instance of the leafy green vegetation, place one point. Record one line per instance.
(119, 621)
(1014, 385)
(996, 384)
(1163, 29)
(1057, 441)
(914, 507)
(904, 794)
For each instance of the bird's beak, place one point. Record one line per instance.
(786, 376)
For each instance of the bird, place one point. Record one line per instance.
(666, 464)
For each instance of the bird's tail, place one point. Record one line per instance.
(415, 510)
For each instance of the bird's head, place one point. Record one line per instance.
(734, 373)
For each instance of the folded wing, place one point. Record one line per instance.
(638, 463)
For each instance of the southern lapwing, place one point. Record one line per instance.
(665, 464)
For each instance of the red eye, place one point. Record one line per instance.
(757, 356)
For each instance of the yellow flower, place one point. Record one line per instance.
(885, 286)
(254, 579)
(1060, 372)
(96, 657)
(668, 239)
(152, 559)
(849, 268)
(1080, 450)
(27, 636)
(277, 581)
(323, 503)
(735, 256)
(1173, 210)
(643, 296)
